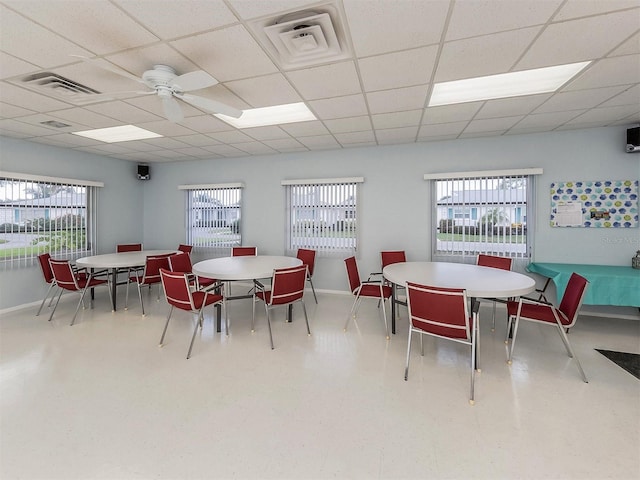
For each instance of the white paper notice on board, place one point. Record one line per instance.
(568, 214)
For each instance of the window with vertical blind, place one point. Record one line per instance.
(322, 215)
(214, 214)
(41, 214)
(482, 212)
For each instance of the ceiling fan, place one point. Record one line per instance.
(170, 87)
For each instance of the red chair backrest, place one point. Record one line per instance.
(352, 273)
(573, 296)
(503, 263)
(390, 257)
(152, 268)
(46, 268)
(180, 262)
(287, 285)
(244, 251)
(308, 258)
(128, 247)
(176, 289)
(185, 248)
(439, 311)
(63, 274)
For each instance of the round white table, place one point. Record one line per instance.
(242, 268)
(479, 282)
(115, 261)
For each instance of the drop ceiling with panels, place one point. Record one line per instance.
(375, 91)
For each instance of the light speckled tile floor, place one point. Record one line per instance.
(101, 399)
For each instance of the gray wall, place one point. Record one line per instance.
(395, 206)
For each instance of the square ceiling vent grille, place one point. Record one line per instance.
(57, 85)
(305, 38)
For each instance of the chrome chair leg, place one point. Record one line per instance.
(313, 289)
(51, 285)
(56, 305)
(165, 326)
(269, 323)
(406, 368)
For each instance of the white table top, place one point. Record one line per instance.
(478, 281)
(120, 260)
(243, 268)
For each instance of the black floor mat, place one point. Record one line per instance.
(629, 361)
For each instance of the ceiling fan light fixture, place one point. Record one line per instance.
(275, 115)
(123, 133)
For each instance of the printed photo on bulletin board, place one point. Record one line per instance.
(597, 203)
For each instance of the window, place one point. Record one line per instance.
(482, 212)
(322, 215)
(45, 214)
(214, 215)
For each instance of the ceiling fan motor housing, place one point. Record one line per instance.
(160, 78)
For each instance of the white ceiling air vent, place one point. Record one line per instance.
(302, 39)
(52, 83)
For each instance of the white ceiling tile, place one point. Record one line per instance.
(410, 98)
(139, 60)
(11, 66)
(441, 130)
(165, 143)
(124, 112)
(50, 140)
(254, 148)
(608, 71)
(319, 142)
(492, 124)
(305, 129)
(198, 140)
(437, 138)
(264, 91)
(482, 17)
(546, 120)
(605, 33)
(233, 136)
(486, 55)
(75, 140)
(98, 25)
(220, 52)
(504, 107)
(629, 47)
(194, 152)
(152, 104)
(381, 26)
(399, 69)
(38, 118)
(578, 100)
(11, 111)
(24, 98)
(451, 113)
(284, 144)
(258, 8)
(206, 124)
(355, 137)
(186, 16)
(266, 133)
(397, 119)
(326, 81)
(390, 136)
(605, 115)
(339, 107)
(630, 96)
(40, 46)
(495, 133)
(582, 8)
(166, 128)
(351, 124)
(11, 125)
(86, 117)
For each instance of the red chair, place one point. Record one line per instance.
(392, 256)
(442, 313)
(287, 288)
(128, 247)
(368, 289)
(179, 295)
(150, 276)
(244, 251)
(48, 277)
(185, 248)
(502, 263)
(308, 258)
(181, 262)
(563, 317)
(67, 279)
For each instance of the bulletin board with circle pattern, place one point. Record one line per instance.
(596, 203)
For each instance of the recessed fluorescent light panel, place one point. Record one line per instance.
(277, 115)
(516, 84)
(124, 133)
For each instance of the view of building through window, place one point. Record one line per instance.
(38, 217)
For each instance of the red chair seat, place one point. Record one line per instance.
(540, 313)
(373, 290)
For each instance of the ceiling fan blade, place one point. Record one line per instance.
(110, 68)
(210, 105)
(194, 81)
(115, 95)
(172, 109)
